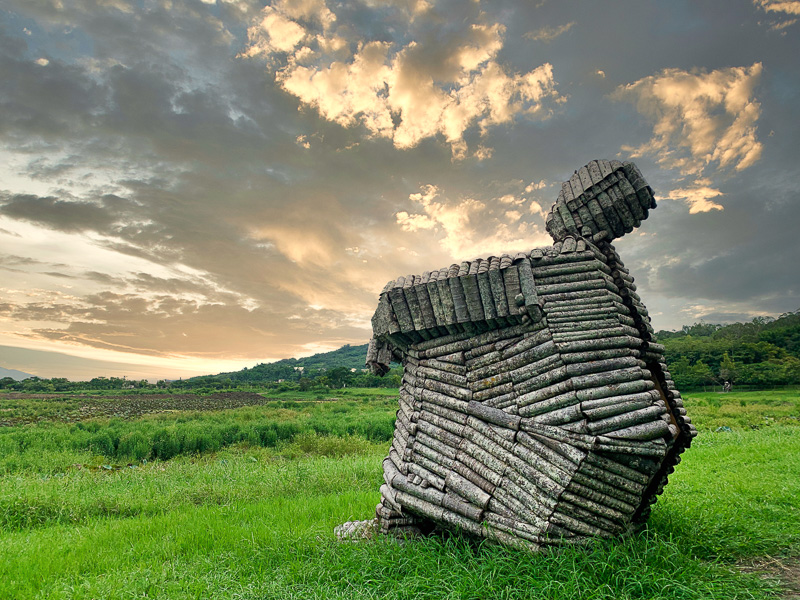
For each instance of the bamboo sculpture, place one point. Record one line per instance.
(535, 406)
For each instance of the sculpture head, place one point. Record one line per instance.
(603, 200)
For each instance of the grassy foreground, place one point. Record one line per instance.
(249, 521)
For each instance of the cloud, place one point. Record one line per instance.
(414, 222)
(536, 185)
(699, 117)
(405, 90)
(180, 315)
(157, 185)
(536, 209)
(548, 34)
(58, 214)
(467, 227)
(277, 33)
(42, 97)
(452, 219)
(165, 325)
(780, 9)
(412, 8)
(791, 7)
(699, 197)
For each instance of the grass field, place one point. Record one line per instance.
(251, 516)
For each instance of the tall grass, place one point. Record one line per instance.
(743, 410)
(52, 446)
(230, 477)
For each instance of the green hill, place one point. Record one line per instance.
(293, 369)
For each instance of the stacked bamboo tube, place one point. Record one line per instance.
(604, 196)
(535, 406)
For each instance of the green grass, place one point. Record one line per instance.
(35, 500)
(342, 393)
(249, 522)
(52, 446)
(743, 410)
(230, 526)
(18, 408)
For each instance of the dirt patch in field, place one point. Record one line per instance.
(785, 570)
(79, 408)
(30, 396)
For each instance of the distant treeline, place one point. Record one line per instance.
(762, 352)
(342, 368)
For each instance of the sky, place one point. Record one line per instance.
(195, 186)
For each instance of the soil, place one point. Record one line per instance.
(785, 570)
(125, 407)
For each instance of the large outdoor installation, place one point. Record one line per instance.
(535, 406)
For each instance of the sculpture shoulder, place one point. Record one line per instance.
(485, 293)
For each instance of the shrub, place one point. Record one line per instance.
(230, 434)
(380, 431)
(310, 444)
(134, 445)
(102, 443)
(165, 444)
(252, 438)
(267, 435)
(287, 431)
(8, 445)
(197, 441)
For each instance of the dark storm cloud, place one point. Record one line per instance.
(744, 252)
(54, 213)
(46, 100)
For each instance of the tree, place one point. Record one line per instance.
(340, 377)
(701, 374)
(791, 367)
(8, 383)
(727, 369)
(701, 329)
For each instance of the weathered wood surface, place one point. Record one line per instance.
(535, 408)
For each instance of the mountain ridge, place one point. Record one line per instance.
(14, 374)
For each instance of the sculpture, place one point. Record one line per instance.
(535, 408)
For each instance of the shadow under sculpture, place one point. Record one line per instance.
(535, 406)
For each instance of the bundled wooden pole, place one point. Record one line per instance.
(535, 407)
